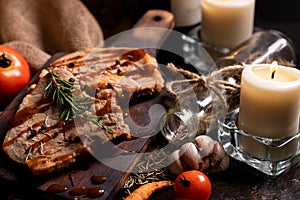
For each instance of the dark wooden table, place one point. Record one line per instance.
(239, 181)
(243, 183)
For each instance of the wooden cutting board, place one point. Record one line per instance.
(80, 175)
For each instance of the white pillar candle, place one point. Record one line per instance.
(227, 23)
(270, 107)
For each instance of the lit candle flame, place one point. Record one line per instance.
(273, 69)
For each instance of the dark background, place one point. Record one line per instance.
(280, 15)
(115, 16)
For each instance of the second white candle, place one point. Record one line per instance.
(227, 23)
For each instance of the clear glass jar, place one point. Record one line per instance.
(180, 126)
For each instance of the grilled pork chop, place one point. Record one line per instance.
(38, 137)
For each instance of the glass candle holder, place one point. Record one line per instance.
(267, 155)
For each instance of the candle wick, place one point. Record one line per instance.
(273, 74)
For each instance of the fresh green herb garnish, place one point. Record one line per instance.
(72, 106)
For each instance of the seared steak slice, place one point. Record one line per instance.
(38, 137)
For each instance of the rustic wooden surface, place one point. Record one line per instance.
(240, 181)
(80, 175)
(243, 183)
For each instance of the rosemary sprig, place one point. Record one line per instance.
(72, 106)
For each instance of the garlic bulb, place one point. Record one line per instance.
(204, 154)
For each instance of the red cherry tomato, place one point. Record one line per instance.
(14, 74)
(193, 185)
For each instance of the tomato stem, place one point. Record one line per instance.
(4, 61)
(185, 182)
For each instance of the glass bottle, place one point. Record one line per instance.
(264, 46)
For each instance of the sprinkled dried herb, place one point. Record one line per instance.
(150, 168)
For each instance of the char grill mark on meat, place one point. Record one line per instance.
(37, 137)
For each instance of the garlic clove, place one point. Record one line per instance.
(205, 145)
(204, 164)
(176, 166)
(190, 156)
(218, 154)
(224, 164)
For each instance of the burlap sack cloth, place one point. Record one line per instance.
(40, 28)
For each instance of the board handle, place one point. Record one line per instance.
(148, 33)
